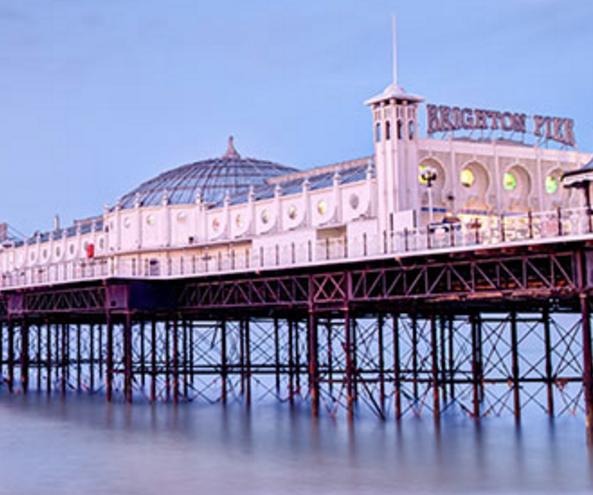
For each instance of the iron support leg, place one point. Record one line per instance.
(349, 364)
(2, 333)
(396, 369)
(175, 361)
(153, 356)
(39, 354)
(435, 367)
(515, 366)
(247, 362)
(277, 355)
(290, 362)
(587, 366)
(451, 335)
(223, 361)
(142, 330)
(128, 357)
(167, 360)
(24, 356)
(78, 358)
(354, 357)
(330, 357)
(191, 352)
(242, 355)
(109, 360)
(443, 361)
(92, 357)
(549, 370)
(313, 365)
(381, 360)
(10, 356)
(185, 352)
(48, 357)
(297, 355)
(63, 380)
(475, 370)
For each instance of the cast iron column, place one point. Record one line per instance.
(587, 366)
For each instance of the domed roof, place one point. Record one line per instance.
(213, 179)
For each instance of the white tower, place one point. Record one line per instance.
(395, 131)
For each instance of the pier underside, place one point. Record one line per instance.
(483, 334)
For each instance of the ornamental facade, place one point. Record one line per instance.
(241, 213)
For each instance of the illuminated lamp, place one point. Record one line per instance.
(551, 184)
(509, 181)
(322, 207)
(421, 178)
(292, 212)
(467, 178)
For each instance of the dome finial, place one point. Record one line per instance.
(231, 152)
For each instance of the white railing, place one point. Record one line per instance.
(489, 232)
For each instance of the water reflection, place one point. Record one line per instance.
(82, 445)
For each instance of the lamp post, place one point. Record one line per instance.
(428, 176)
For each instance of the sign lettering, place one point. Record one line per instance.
(442, 118)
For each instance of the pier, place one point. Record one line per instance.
(484, 328)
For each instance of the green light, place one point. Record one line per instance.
(551, 185)
(421, 177)
(509, 181)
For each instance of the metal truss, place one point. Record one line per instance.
(488, 334)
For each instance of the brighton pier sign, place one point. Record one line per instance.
(441, 118)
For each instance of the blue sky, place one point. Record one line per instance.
(99, 95)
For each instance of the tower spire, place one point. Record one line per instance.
(393, 90)
(394, 34)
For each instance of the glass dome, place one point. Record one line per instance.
(213, 179)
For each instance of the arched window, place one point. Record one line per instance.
(378, 132)
(411, 127)
(400, 129)
(388, 130)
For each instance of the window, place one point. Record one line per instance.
(411, 127)
(388, 130)
(265, 216)
(378, 132)
(400, 130)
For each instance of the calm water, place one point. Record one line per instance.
(80, 445)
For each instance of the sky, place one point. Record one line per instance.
(97, 96)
